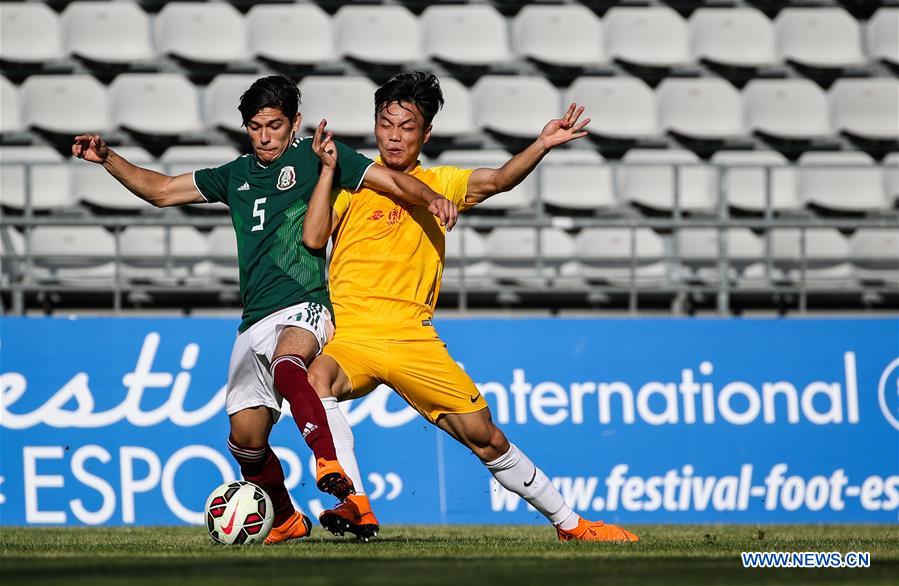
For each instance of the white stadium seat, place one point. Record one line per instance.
(560, 35)
(826, 253)
(93, 185)
(202, 32)
(578, 187)
(605, 254)
(883, 35)
(787, 108)
(868, 108)
(700, 108)
(841, 180)
(457, 115)
(873, 252)
(222, 98)
(77, 255)
(29, 33)
(465, 35)
(736, 37)
(515, 105)
(155, 103)
(107, 32)
(819, 37)
(222, 250)
(10, 108)
(65, 104)
(296, 34)
(746, 180)
(647, 178)
(387, 35)
(699, 250)
(891, 175)
(514, 253)
(161, 262)
(647, 36)
(521, 197)
(619, 107)
(50, 179)
(14, 245)
(199, 154)
(476, 271)
(347, 103)
(572, 156)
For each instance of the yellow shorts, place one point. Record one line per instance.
(421, 371)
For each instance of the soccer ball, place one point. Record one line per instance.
(239, 512)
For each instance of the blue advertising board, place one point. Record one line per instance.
(121, 421)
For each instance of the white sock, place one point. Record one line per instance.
(344, 443)
(516, 473)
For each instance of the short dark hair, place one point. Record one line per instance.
(418, 87)
(274, 91)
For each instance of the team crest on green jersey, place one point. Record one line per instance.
(287, 178)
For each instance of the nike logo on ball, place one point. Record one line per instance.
(227, 528)
(531, 481)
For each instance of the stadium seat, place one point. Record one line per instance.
(891, 175)
(521, 197)
(819, 37)
(222, 98)
(160, 103)
(202, 32)
(514, 253)
(746, 180)
(294, 34)
(883, 35)
(873, 252)
(107, 32)
(199, 155)
(29, 33)
(11, 243)
(647, 178)
(619, 107)
(456, 118)
(842, 181)
(10, 108)
(222, 249)
(647, 36)
(867, 108)
(734, 37)
(698, 250)
(468, 35)
(384, 35)
(707, 109)
(50, 179)
(74, 255)
(347, 103)
(515, 106)
(826, 254)
(93, 185)
(577, 186)
(65, 104)
(185, 247)
(605, 255)
(559, 35)
(477, 271)
(787, 108)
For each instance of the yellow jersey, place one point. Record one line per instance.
(387, 259)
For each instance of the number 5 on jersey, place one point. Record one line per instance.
(258, 212)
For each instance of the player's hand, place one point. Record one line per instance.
(445, 210)
(90, 147)
(564, 129)
(323, 145)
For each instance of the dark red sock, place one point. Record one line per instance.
(292, 381)
(263, 468)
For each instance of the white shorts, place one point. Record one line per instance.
(250, 384)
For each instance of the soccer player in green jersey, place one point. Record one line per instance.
(287, 313)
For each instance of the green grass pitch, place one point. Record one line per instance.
(458, 555)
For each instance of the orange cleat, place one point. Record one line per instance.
(353, 515)
(297, 527)
(331, 478)
(595, 531)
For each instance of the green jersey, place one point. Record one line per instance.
(268, 205)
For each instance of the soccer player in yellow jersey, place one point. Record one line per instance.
(385, 274)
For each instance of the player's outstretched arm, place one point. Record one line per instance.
(155, 188)
(484, 183)
(319, 216)
(409, 189)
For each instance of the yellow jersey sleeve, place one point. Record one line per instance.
(340, 202)
(453, 184)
